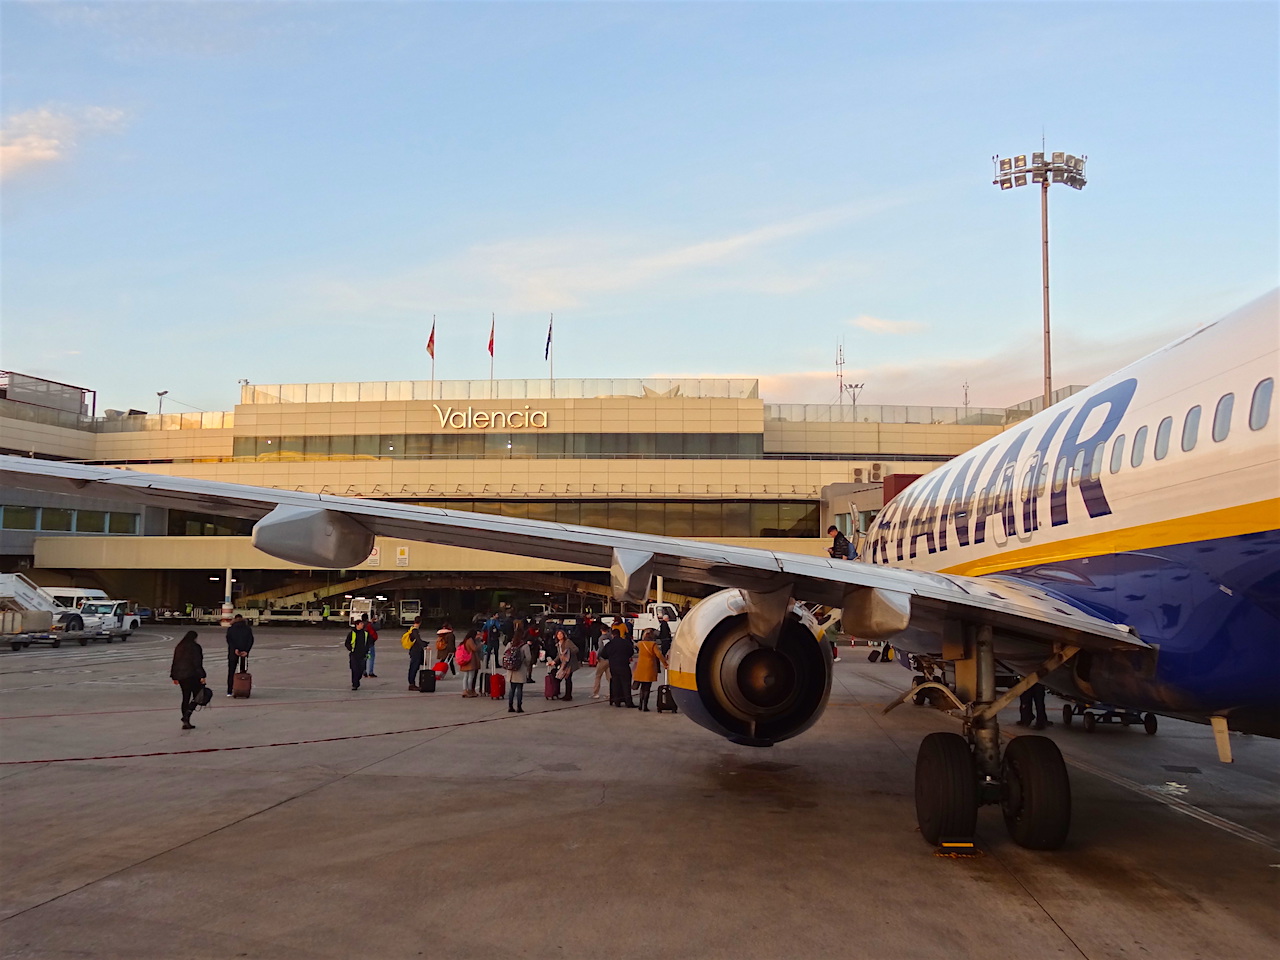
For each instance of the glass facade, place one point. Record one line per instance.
(63, 520)
(467, 446)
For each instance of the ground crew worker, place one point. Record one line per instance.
(357, 644)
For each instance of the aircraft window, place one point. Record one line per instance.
(1260, 407)
(1222, 417)
(1044, 479)
(1117, 454)
(1163, 433)
(1139, 447)
(1060, 474)
(1095, 461)
(1191, 429)
(1077, 468)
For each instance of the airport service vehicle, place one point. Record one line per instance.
(653, 612)
(34, 614)
(1121, 546)
(409, 611)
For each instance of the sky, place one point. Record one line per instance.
(197, 193)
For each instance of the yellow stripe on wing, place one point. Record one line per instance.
(1230, 522)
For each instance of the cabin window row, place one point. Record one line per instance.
(1090, 468)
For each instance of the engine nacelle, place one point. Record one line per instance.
(729, 682)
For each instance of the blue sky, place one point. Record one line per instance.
(199, 192)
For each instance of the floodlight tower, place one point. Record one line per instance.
(1059, 168)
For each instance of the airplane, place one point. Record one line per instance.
(1122, 545)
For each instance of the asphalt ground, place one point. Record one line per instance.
(383, 823)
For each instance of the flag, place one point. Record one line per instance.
(546, 354)
(431, 341)
(491, 338)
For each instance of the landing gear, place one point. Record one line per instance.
(1150, 723)
(1035, 793)
(946, 788)
(956, 774)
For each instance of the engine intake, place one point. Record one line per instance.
(730, 682)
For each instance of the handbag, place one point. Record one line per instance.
(203, 696)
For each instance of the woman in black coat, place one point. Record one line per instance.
(188, 673)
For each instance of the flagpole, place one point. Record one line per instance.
(551, 352)
(433, 356)
(492, 322)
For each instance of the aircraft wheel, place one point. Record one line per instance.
(1036, 793)
(1090, 723)
(1150, 723)
(946, 788)
(1068, 714)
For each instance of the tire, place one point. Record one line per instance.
(1035, 793)
(15, 645)
(84, 641)
(1068, 714)
(56, 644)
(1090, 723)
(946, 788)
(1150, 723)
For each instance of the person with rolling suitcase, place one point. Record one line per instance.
(618, 652)
(239, 643)
(417, 651)
(648, 659)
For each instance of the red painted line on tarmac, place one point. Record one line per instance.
(238, 704)
(296, 743)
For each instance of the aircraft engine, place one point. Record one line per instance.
(733, 684)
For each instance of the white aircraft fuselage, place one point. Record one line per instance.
(1151, 499)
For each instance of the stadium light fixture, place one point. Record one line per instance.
(1061, 167)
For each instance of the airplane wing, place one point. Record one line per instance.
(318, 530)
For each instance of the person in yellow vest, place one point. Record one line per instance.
(649, 656)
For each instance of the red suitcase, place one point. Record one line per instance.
(551, 687)
(242, 685)
(497, 687)
(592, 659)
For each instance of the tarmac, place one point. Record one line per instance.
(313, 821)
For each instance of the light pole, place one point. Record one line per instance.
(160, 405)
(1058, 168)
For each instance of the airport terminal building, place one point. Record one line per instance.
(702, 458)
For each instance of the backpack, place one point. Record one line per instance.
(511, 658)
(406, 640)
(463, 656)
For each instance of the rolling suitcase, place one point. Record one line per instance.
(242, 685)
(497, 686)
(665, 700)
(426, 681)
(440, 669)
(551, 687)
(482, 682)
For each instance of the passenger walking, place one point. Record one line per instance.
(602, 670)
(357, 644)
(648, 658)
(372, 633)
(567, 658)
(618, 651)
(239, 643)
(517, 661)
(187, 672)
(468, 660)
(417, 652)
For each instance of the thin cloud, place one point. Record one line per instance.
(45, 135)
(1000, 379)
(891, 327)
(563, 272)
